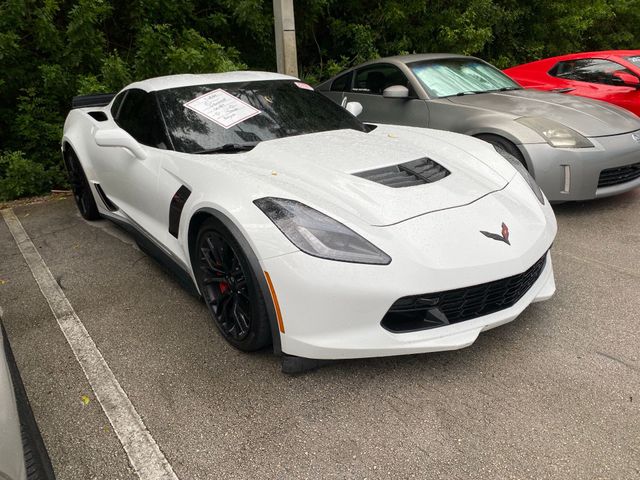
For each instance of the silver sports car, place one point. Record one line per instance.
(576, 148)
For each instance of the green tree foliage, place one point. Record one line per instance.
(504, 32)
(51, 50)
(20, 177)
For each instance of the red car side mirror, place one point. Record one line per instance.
(627, 79)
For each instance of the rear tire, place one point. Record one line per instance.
(82, 193)
(230, 288)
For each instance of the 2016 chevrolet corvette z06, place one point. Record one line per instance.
(304, 228)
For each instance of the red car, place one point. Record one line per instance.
(612, 76)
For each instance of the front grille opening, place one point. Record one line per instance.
(409, 174)
(431, 310)
(618, 175)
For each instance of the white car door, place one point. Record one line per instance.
(128, 177)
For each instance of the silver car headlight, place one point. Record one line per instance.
(517, 164)
(556, 134)
(319, 235)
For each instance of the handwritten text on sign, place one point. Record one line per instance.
(222, 108)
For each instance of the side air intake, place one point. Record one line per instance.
(409, 174)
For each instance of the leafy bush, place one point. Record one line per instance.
(20, 177)
(53, 50)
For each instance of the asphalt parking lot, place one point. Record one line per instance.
(555, 394)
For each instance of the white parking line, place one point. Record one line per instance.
(144, 454)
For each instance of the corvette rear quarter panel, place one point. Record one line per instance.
(78, 131)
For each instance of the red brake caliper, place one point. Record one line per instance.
(224, 286)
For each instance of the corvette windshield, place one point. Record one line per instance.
(272, 109)
(460, 76)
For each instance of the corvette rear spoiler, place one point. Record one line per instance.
(94, 100)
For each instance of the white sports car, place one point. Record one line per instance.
(304, 228)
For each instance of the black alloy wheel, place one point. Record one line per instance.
(230, 289)
(80, 187)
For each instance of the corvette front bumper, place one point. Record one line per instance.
(333, 310)
(340, 327)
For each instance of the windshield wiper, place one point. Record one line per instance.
(228, 148)
(503, 89)
(475, 92)
(469, 92)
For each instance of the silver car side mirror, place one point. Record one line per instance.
(396, 91)
(114, 137)
(354, 108)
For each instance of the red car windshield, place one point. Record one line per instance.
(634, 59)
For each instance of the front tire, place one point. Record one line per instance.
(82, 193)
(230, 288)
(503, 145)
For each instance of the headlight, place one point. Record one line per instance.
(556, 134)
(319, 235)
(517, 164)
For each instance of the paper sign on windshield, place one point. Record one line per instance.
(222, 108)
(304, 86)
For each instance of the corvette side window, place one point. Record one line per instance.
(374, 79)
(592, 70)
(139, 117)
(117, 103)
(342, 83)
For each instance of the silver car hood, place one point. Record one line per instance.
(591, 118)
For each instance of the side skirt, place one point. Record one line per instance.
(153, 250)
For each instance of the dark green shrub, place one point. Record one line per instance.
(21, 177)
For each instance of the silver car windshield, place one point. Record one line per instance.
(460, 76)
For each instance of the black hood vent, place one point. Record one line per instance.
(409, 174)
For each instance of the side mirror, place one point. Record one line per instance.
(354, 108)
(396, 91)
(119, 138)
(627, 79)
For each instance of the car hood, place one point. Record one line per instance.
(318, 169)
(590, 118)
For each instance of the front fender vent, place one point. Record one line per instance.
(409, 174)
